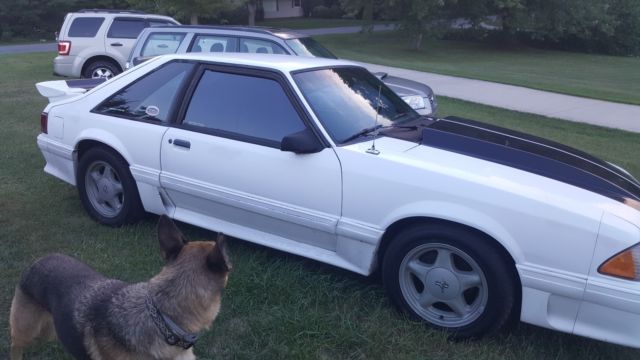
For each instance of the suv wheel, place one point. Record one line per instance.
(101, 69)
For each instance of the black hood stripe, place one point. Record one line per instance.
(531, 154)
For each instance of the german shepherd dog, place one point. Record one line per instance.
(95, 317)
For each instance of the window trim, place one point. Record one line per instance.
(171, 114)
(265, 73)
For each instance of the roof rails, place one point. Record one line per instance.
(111, 11)
(255, 29)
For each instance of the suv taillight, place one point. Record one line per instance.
(44, 122)
(64, 47)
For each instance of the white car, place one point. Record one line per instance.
(468, 223)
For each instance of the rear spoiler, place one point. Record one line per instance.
(66, 89)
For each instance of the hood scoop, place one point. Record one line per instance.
(532, 154)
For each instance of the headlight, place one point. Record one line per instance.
(625, 264)
(415, 101)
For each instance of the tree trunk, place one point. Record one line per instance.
(418, 41)
(251, 6)
(194, 19)
(367, 17)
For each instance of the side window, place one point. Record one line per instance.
(124, 28)
(214, 43)
(85, 26)
(250, 106)
(150, 97)
(162, 43)
(260, 47)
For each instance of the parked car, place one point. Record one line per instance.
(187, 38)
(95, 43)
(469, 224)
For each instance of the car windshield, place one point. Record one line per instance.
(346, 100)
(307, 46)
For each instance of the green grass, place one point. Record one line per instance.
(603, 77)
(309, 23)
(277, 306)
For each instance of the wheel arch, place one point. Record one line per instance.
(106, 140)
(95, 58)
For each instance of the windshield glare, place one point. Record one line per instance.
(307, 46)
(345, 100)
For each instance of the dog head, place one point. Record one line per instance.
(194, 276)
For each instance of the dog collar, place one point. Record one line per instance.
(173, 334)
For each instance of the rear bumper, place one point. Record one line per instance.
(59, 159)
(69, 66)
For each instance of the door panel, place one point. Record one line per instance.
(297, 197)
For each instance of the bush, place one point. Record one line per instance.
(323, 12)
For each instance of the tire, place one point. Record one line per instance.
(101, 69)
(451, 279)
(107, 190)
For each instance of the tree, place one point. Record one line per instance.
(419, 17)
(252, 5)
(185, 9)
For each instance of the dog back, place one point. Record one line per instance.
(63, 285)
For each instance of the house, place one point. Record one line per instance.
(282, 8)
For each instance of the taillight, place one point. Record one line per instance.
(44, 122)
(64, 47)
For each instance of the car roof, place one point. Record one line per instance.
(283, 63)
(278, 32)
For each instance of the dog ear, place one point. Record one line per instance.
(170, 238)
(218, 258)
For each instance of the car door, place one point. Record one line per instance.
(223, 169)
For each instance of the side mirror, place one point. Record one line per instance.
(140, 59)
(302, 142)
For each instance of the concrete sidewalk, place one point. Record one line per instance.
(567, 107)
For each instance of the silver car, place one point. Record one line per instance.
(163, 40)
(95, 43)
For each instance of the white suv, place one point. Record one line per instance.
(95, 43)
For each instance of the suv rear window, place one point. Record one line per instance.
(85, 26)
(126, 28)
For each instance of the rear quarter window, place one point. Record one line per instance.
(161, 44)
(85, 26)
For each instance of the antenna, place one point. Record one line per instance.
(372, 149)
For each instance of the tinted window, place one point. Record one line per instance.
(149, 98)
(126, 28)
(85, 26)
(214, 43)
(162, 43)
(260, 47)
(346, 100)
(246, 105)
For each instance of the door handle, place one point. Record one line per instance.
(116, 44)
(181, 143)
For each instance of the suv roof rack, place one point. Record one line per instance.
(111, 11)
(254, 29)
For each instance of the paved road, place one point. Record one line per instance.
(28, 48)
(573, 108)
(567, 107)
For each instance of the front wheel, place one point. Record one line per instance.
(107, 190)
(451, 279)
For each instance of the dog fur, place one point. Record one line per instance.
(95, 317)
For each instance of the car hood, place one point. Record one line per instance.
(528, 153)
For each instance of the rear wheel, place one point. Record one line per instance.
(101, 69)
(451, 279)
(107, 190)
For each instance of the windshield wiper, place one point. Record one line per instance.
(369, 130)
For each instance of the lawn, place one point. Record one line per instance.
(602, 77)
(277, 306)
